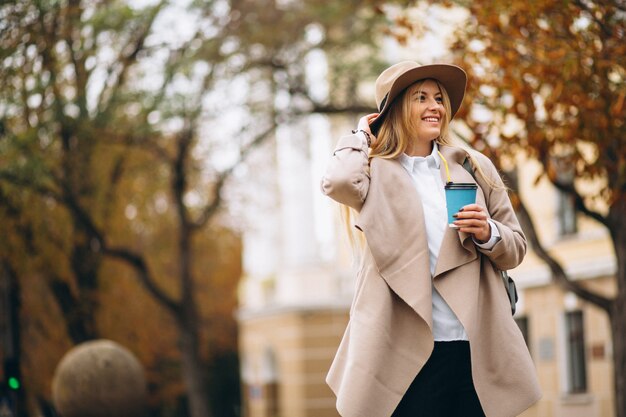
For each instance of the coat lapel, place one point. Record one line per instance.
(392, 220)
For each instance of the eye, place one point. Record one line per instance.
(439, 100)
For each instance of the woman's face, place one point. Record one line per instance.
(427, 110)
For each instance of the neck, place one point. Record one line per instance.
(418, 148)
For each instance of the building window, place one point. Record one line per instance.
(566, 205)
(270, 378)
(522, 323)
(568, 224)
(575, 351)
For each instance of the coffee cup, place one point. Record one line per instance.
(458, 195)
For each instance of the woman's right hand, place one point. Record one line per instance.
(364, 124)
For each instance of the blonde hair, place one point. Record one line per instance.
(398, 128)
(394, 137)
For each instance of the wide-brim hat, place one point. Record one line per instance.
(395, 79)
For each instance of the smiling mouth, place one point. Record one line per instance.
(431, 119)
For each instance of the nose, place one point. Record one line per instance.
(433, 104)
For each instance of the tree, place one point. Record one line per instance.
(73, 128)
(99, 164)
(559, 68)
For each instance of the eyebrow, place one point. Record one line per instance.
(438, 93)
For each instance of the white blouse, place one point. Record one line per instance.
(427, 180)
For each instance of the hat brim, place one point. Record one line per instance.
(453, 79)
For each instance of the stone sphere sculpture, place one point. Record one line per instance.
(99, 379)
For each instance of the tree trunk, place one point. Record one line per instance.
(618, 312)
(194, 373)
(79, 309)
(194, 370)
(619, 358)
(11, 292)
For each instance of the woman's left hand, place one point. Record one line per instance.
(473, 219)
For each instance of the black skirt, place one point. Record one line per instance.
(444, 386)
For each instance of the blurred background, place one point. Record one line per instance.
(159, 188)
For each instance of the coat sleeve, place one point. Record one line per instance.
(347, 176)
(510, 250)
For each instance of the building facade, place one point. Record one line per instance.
(297, 290)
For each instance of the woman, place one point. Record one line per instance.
(430, 330)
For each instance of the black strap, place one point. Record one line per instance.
(468, 167)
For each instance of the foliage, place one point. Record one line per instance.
(559, 68)
(86, 176)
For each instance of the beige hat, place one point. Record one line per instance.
(395, 79)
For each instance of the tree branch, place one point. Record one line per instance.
(211, 208)
(69, 31)
(133, 259)
(144, 274)
(558, 273)
(607, 31)
(179, 174)
(138, 141)
(126, 60)
(37, 188)
(115, 176)
(174, 61)
(580, 202)
(84, 219)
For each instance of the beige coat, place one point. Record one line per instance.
(389, 335)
